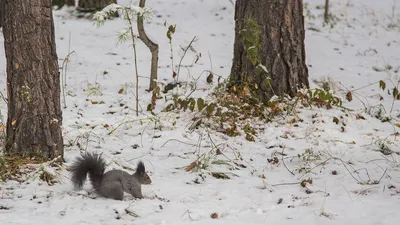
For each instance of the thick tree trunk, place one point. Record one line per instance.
(33, 80)
(93, 5)
(70, 2)
(1, 12)
(269, 33)
(61, 3)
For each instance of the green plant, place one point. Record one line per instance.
(93, 89)
(206, 160)
(318, 97)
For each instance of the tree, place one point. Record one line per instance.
(1, 12)
(61, 3)
(153, 47)
(70, 2)
(269, 54)
(33, 80)
(93, 5)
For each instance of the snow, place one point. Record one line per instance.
(366, 36)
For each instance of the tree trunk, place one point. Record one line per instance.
(33, 80)
(58, 3)
(61, 3)
(152, 46)
(93, 5)
(269, 55)
(326, 14)
(70, 2)
(2, 12)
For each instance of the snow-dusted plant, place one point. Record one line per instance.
(129, 14)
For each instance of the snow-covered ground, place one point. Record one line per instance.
(353, 182)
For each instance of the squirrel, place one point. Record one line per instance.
(112, 184)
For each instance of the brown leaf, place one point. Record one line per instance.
(335, 120)
(191, 166)
(382, 84)
(358, 117)
(210, 78)
(349, 96)
(96, 102)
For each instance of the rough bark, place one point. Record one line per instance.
(93, 5)
(1, 12)
(280, 47)
(33, 80)
(152, 46)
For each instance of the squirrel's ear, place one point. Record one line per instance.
(140, 168)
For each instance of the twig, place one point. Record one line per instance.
(294, 183)
(138, 157)
(194, 145)
(283, 161)
(64, 75)
(4, 99)
(131, 213)
(135, 60)
(351, 174)
(382, 176)
(188, 212)
(183, 56)
(209, 56)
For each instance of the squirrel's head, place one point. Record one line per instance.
(144, 178)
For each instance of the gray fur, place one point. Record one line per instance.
(112, 184)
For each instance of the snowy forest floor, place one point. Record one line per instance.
(311, 171)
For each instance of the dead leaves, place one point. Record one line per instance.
(192, 166)
(94, 102)
(220, 175)
(349, 96)
(382, 85)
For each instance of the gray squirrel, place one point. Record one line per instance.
(112, 184)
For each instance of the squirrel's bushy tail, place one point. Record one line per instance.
(91, 163)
